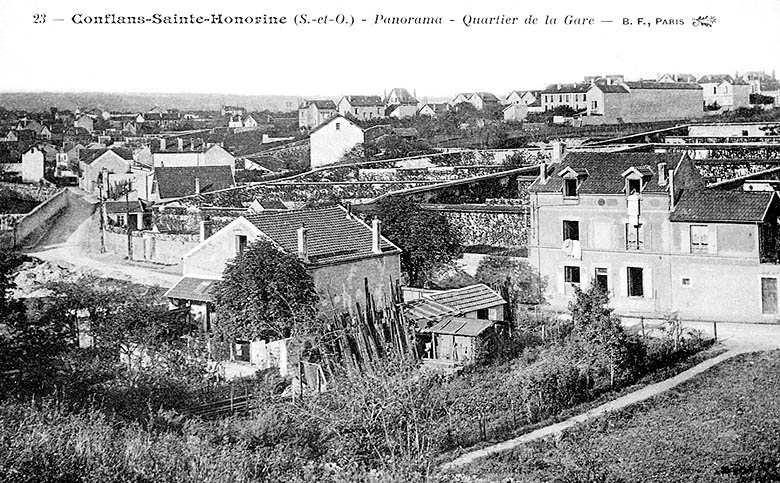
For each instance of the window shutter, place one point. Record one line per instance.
(561, 283)
(622, 280)
(647, 282)
(712, 239)
(621, 236)
(685, 240)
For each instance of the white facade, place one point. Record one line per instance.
(331, 140)
(212, 156)
(32, 165)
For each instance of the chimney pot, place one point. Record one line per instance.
(375, 233)
(303, 243)
(662, 178)
(543, 173)
(205, 230)
(197, 185)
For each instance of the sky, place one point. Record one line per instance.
(369, 58)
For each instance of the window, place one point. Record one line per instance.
(595, 104)
(635, 282)
(602, 279)
(686, 282)
(744, 132)
(356, 111)
(699, 234)
(483, 314)
(715, 90)
(634, 186)
(570, 188)
(571, 230)
(240, 243)
(635, 237)
(571, 275)
(338, 126)
(242, 351)
(768, 295)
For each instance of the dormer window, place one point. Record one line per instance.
(633, 186)
(636, 179)
(571, 180)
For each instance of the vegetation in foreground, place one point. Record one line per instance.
(74, 415)
(721, 426)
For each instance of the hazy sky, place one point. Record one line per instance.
(436, 60)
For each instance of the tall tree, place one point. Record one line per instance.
(426, 238)
(264, 294)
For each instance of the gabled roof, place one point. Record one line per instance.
(188, 288)
(88, 156)
(468, 299)
(681, 77)
(330, 120)
(723, 206)
(715, 79)
(319, 104)
(642, 171)
(333, 235)
(486, 96)
(364, 101)
(179, 181)
(611, 89)
(645, 84)
(403, 95)
(566, 88)
(460, 326)
(605, 172)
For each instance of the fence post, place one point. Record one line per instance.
(715, 330)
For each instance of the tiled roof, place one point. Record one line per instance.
(770, 85)
(175, 182)
(605, 172)
(423, 311)
(365, 101)
(460, 326)
(611, 89)
(320, 104)
(487, 96)
(468, 299)
(328, 121)
(333, 236)
(715, 79)
(644, 84)
(197, 289)
(88, 156)
(566, 88)
(723, 206)
(121, 207)
(403, 95)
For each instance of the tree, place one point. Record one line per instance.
(264, 294)
(426, 238)
(522, 283)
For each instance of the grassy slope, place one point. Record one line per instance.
(721, 426)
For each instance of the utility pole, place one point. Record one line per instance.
(127, 223)
(101, 180)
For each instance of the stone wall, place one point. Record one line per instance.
(36, 220)
(167, 248)
(495, 226)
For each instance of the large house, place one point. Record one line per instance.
(484, 101)
(571, 95)
(329, 141)
(361, 108)
(117, 163)
(521, 97)
(314, 112)
(643, 101)
(345, 257)
(168, 183)
(400, 103)
(725, 92)
(646, 229)
(179, 152)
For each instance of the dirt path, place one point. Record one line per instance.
(637, 396)
(70, 235)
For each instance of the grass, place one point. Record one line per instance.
(721, 426)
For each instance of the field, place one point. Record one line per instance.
(721, 426)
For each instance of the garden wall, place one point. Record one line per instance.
(150, 246)
(491, 225)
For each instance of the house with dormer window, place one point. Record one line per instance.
(646, 229)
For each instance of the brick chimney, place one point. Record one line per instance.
(543, 173)
(205, 230)
(375, 234)
(303, 243)
(197, 185)
(180, 141)
(558, 151)
(162, 144)
(662, 178)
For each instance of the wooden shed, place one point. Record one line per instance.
(458, 340)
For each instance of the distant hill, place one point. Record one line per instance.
(142, 102)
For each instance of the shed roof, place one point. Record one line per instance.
(724, 206)
(189, 288)
(460, 326)
(468, 299)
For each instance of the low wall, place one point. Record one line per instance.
(37, 219)
(33, 191)
(150, 246)
(495, 226)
